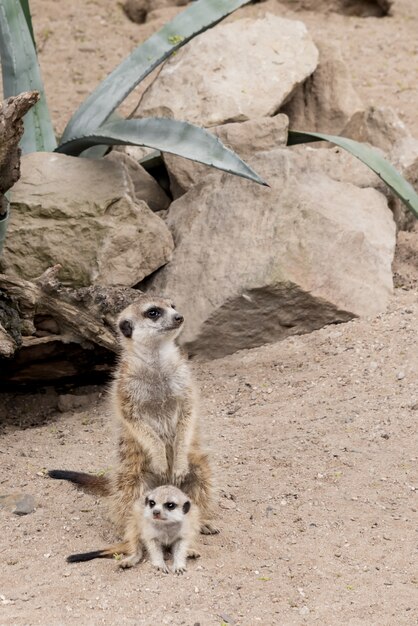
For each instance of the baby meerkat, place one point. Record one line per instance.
(154, 406)
(165, 519)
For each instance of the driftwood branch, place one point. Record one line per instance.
(12, 111)
(47, 312)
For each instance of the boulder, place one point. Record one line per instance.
(382, 128)
(254, 64)
(255, 265)
(404, 156)
(80, 213)
(378, 126)
(138, 10)
(145, 187)
(358, 8)
(245, 138)
(327, 100)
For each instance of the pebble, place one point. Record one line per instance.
(400, 375)
(25, 505)
(304, 611)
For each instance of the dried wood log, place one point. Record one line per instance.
(50, 314)
(12, 111)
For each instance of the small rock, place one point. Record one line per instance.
(400, 375)
(69, 402)
(304, 611)
(25, 505)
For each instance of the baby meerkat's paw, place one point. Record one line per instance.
(178, 569)
(162, 567)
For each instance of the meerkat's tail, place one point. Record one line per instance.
(90, 483)
(106, 553)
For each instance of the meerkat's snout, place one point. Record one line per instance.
(178, 319)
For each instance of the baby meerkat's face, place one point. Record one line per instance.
(150, 318)
(166, 505)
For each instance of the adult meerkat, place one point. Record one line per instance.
(155, 413)
(166, 519)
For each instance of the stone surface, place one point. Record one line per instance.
(145, 187)
(25, 505)
(72, 402)
(138, 10)
(80, 213)
(245, 138)
(404, 157)
(254, 65)
(17, 503)
(359, 8)
(378, 126)
(382, 128)
(255, 265)
(327, 100)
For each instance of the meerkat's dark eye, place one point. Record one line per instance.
(170, 505)
(173, 306)
(151, 504)
(153, 313)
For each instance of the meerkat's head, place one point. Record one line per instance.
(150, 319)
(166, 505)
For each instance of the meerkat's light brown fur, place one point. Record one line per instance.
(154, 407)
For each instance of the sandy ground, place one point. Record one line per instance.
(314, 438)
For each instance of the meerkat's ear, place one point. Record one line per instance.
(146, 500)
(186, 507)
(126, 328)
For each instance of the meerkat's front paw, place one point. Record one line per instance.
(192, 553)
(160, 468)
(179, 568)
(179, 474)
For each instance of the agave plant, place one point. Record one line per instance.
(372, 158)
(93, 124)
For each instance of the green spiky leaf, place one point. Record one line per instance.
(20, 71)
(372, 158)
(198, 17)
(180, 138)
(28, 17)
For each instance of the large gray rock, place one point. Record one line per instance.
(80, 213)
(245, 138)
(382, 128)
(359, 8)
(254, 66)
(327, 100)
(145, 187)
(379, 126)
(254, 265)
